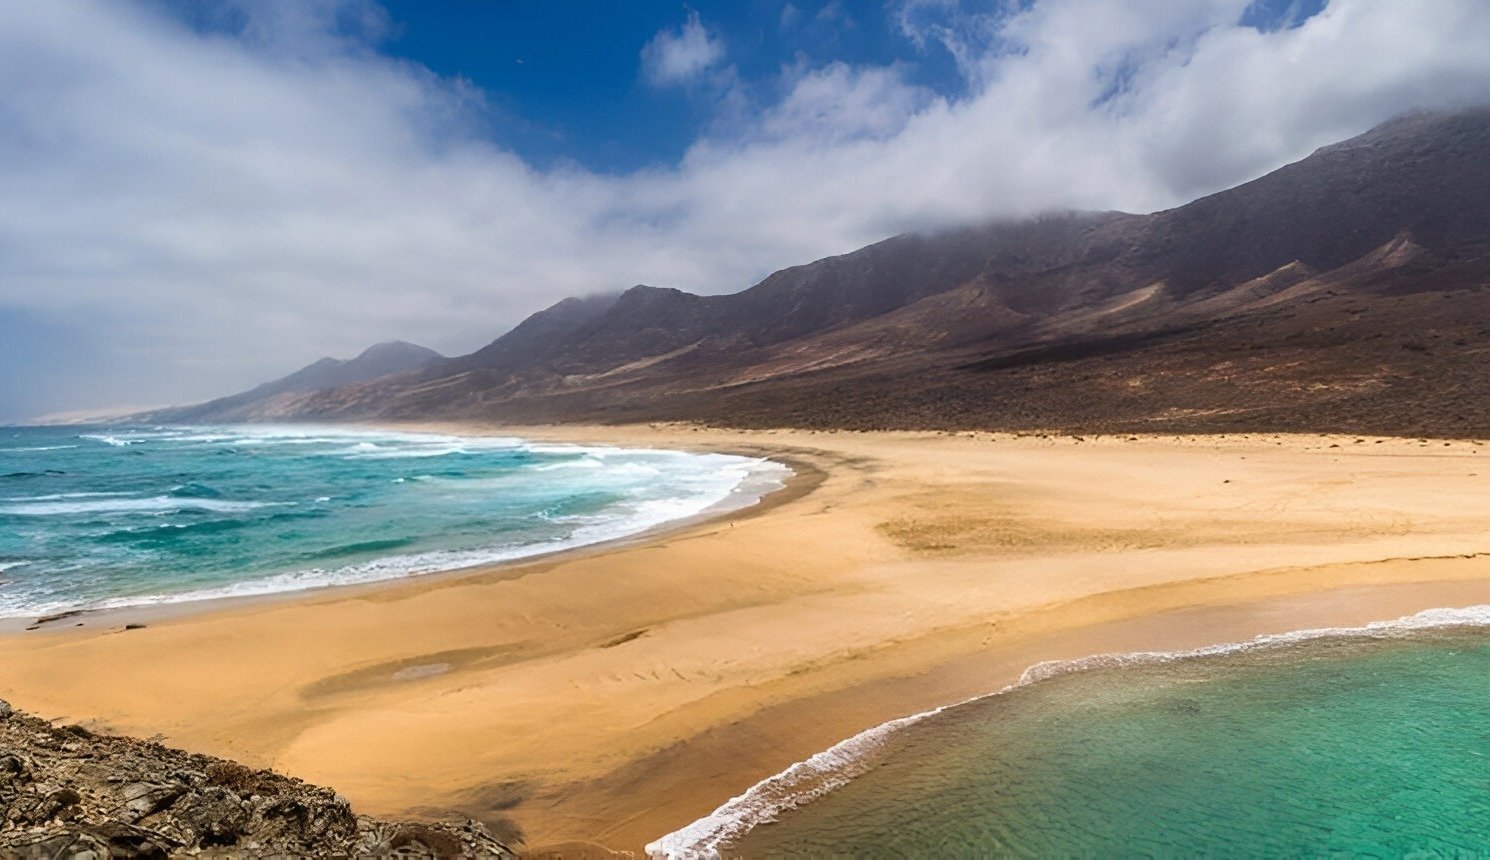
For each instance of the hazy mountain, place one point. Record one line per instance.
(376, 361)
(1348, 290)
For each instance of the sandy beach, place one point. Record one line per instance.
(606, 697)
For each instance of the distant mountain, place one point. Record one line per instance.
(379, 360)
(1349, 290)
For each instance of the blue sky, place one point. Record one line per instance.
(197, 195)
(566, 81)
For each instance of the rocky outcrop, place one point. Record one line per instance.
(68, 792)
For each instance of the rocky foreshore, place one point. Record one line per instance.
(69, 792)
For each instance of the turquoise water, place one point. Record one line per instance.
(109, 516)
(1341, 745)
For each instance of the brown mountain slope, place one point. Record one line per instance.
(1348, 290)
(377, 361)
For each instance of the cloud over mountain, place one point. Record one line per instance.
(202, 208)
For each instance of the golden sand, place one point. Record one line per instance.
(606, 697)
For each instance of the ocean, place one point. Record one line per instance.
(1366, 742)
(101, 517)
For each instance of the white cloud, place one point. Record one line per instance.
(838, 102)
(834, 13)
(210, 211)
(965, 34)
(678, 57)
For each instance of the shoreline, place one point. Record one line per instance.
(799, 480)
(824, 772)
(631, 691)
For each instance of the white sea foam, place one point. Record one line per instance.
(374, 453)
(118, 505)
(109, 440)
(635, 469)
(270, 432)
(720, 482)
(134, 437)
(201, 437)
(273, 434)
(42, 448)
(585, 462)
(1428, 619)
(554, 448)
(843, 762)
(51, 497)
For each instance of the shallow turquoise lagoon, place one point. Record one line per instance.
(1346, 744)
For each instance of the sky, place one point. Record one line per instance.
(200, 195)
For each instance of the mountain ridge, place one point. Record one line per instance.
(1311, 275)
(379, 360)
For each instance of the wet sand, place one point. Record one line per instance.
(606, 697)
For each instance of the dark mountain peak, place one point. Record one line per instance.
(394, 356)
(383, 359)
(1428, 173)
(323, 364)
(593, 328)
(398, 351)
(582, 305)
(394, 345)
(643, 295)
(536, 337)
(1433, 128)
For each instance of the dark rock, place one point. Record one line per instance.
(421, 839)
(215, 816)
(69, 792)
(74, 845)
(142, 798)
(12, 768)
(318, 819)
(59, 616)
(42, 807)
